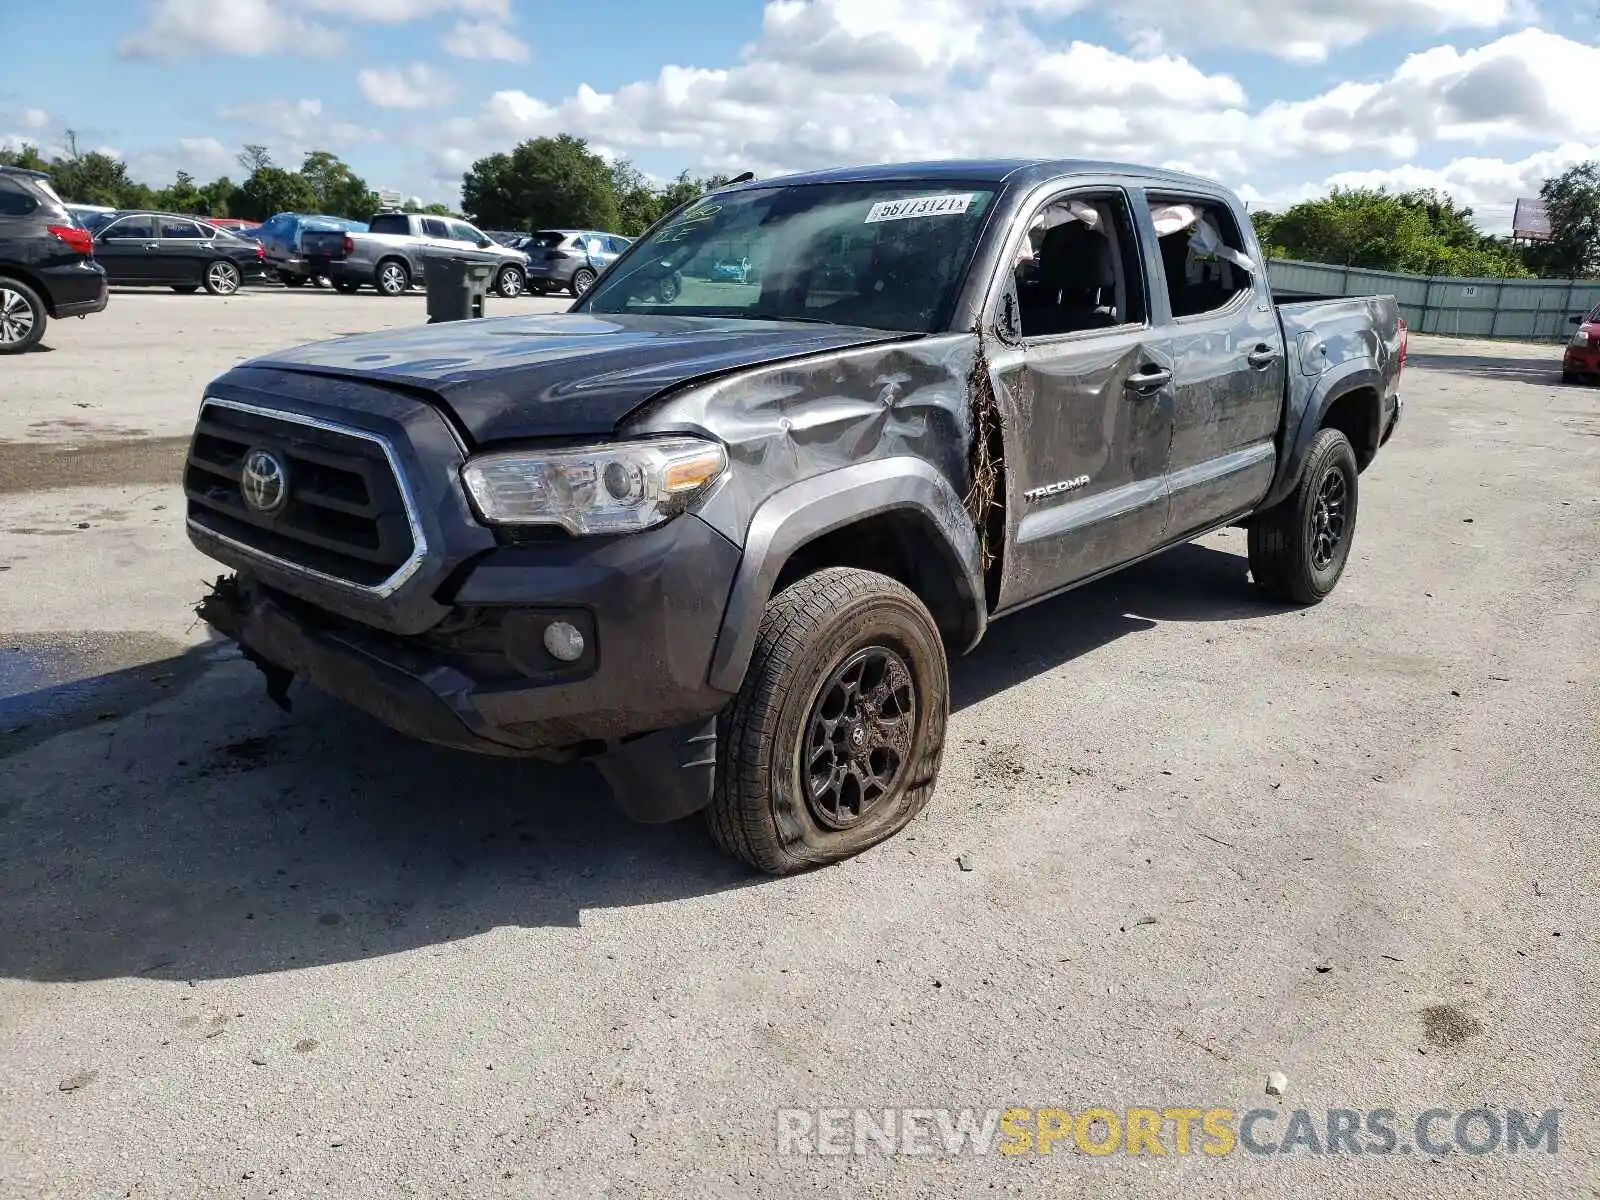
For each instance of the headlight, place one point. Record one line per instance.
(1581, 338)
(616, 488)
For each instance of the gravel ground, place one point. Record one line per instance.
(248, 953)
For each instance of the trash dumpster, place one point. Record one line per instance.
(456, 287)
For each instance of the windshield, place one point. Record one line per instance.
(883, 255)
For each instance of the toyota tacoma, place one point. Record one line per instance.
(721, 538)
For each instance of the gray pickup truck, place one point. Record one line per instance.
(723, 542)
(391, 255)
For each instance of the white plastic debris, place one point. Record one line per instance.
(1277, 1084)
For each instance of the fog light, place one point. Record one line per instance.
(564, 641)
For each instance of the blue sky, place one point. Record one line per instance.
(1481, 97)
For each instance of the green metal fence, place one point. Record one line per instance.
(1524, 309)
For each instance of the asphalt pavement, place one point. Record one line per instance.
(249, 953)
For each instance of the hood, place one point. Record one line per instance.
(562, 375)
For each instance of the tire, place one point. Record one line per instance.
(291, 280)
(510, 283)
(222, 277)
(22, 317)
(392, 277)
(1299, 548)
(538, 288)
(186, 289)
(348, 287)
(1569, 377)
(582, 281)
(814, 636)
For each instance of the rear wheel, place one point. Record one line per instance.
(834, 741)
(393, 277)
(511, 282)
(582, 281)
(223, 278)
(22, 317)
(1299, 548)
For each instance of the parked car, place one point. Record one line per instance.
(722, 544)
(570, 259)
(151, 249)
(86, 213)
(1582, 359)
(46, 261)
(731, 270)
(282, 237)
(391, 255)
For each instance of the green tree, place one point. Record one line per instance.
(217, 197)
(1572, 201)
(95, 178)
(339, 191)
(1420, 232)
(272, 190)
(26, 156)
(544, 182)
(183, 196)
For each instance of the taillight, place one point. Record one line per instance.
(1405, 343)
(80, 241)
(261, 253)
(349, 244)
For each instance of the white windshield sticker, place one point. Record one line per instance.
(919, 206)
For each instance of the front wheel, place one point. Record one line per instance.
(223, 278)
(392, 278)
(510, 283)
(582, 281)
(1299, 548)
(835, 739)
(22, 317)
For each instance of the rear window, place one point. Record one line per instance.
(389, 223)
(15, 200)
(45, 186)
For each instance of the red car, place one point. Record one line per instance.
(1583, 351)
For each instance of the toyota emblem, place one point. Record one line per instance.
(264, 481)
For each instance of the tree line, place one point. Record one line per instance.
(559, 182)
(1427, 233)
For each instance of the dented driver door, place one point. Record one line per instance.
(1086, 413)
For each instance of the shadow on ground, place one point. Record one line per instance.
(208, 835)
(1507, 369)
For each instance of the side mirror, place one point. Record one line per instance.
(1575, 321)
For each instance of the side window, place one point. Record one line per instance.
(617, 244)
(462, 232)
(14, 201)
(1078, 268)
(131, 227)
(171, 228)
(1202, 254)
(434, 228)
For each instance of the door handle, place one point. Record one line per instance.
(152, 245)
(1150, 379)
(1261, 357)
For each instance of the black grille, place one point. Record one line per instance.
(345, 515)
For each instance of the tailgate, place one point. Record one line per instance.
(322, 243)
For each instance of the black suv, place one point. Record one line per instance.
(46, 264)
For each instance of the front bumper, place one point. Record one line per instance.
(1581, 361)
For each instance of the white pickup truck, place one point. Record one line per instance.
(392, 254)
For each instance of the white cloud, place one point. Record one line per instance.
(1297, 30)
(398, 12)
(184, 28)
(416, 85)
(291, 128)
(486, 41)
